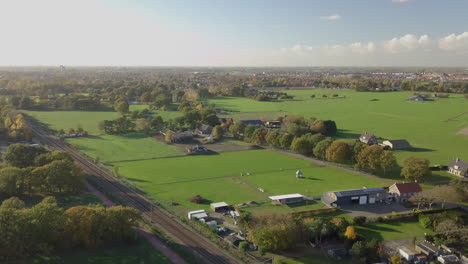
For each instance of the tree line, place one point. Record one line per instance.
(46, 228)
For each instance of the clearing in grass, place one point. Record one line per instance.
(392, 230)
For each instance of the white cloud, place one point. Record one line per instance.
(362, 48)
(454, 42)
(331, 17)
(406, 43)
(400, 1)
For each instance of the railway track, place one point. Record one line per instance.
(181, 233)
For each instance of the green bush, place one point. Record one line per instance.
(359, 220)
(380, 219)
(243, 246)
(425, 221)
(261, 251)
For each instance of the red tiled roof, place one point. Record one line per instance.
(408, 187)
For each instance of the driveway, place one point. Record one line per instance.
(374, 210)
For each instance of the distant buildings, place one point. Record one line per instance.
(252, 122)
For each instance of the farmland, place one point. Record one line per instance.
(429, 126)
(167, 180)
(123, 147)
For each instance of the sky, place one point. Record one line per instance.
(234, 32)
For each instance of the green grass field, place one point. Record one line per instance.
(139, 253)
(392, 230)
(313, 260)
(89, 120)
(425, 125)
(123, 147)
(218, 178)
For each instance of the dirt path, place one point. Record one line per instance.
(156, 243)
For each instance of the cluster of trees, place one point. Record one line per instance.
(271, 96)
(450, 227)
(79, 102)
(34, 170)
(193, 116)
(280, 232)
(455, 192)
(45, 227)
(13, 124)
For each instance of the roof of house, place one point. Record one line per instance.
(286, 196)
(218, 205)
(462, 165)
(362, 191)
(417, 97)
(408, 187)
(366, 136)
(199, 215)
(252, 122)
(205, 129)
(398, 143)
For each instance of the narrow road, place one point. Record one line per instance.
(178, 231)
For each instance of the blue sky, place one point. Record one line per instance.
(241, 32)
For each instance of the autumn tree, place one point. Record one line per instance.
(121, 106)
(387, 161)
(350, 233)
(339, 151)
(416, 168)
(237, 130)
(13, 202)
(217, 132)
(21, 155)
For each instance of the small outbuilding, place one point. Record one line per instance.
(204, 130)
(220, 207)
(417, 98)
(428, 249)
(357, 196)
(299, 174)
(287, 198)
(198, 214)
(406, 253)
(197, 149)
(397, 144)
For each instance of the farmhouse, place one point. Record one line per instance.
(252, 122)
(287, 198)
(403, 191)
(273, 124)
(458, 168)
(358, 196)
(397, 144)
(368, 138)
(204, 130)
(198, 214)
(220, 207)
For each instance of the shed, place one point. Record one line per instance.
(428, 249)
(397, 144)
(406, 253)
(198, 214)
(287, 198)
(273, 124)
(204, 129)
(357, 196)
(220, 207)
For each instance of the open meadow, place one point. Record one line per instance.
(234, 177)
(430, 127)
